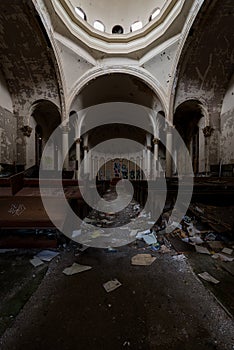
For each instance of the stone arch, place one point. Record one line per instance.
(190, 121)
(44, 117)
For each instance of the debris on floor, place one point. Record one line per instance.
(179, 257)
(207, 277)
(227, 251)
(164, 249)
(111, 285)
(76, 268)
(3, 251)
(36, 261)
(47, 255)
(202, 250)
(143, 259)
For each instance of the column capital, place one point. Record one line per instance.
(155, 141)
(65, 128)
(86, 148)
(148, 148)
(78, 140)
(26, 130)
(207, 131)
(170, 128)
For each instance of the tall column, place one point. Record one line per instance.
(135, 168)
(78, 142)
(142, 168)
(148, 148)
(155, 167)
(65, 149)
(174, 168)
(207, 131)
(86, 149)
(169, 150)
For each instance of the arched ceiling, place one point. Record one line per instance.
(70, 26)
(111, 131)
(26, 59)
(207, 61)
(116, 87)
(116, 98)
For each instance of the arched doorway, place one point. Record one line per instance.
(45, 118)
(132, 104)
(189, 120)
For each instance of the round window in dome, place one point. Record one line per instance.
(80, 13)
(117, 29)
(99, 26)
(155, 13)
(136, 26)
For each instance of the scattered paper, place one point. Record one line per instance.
(112, 285)
(140, 235)
(36, 261)
(143, 259)
(223, 257)
(215, 244)
(149, 239)
(164, 249)
(76, 268)
(207, 277)
(96, 234)
(83, 248)
(179, 257)
(46, 255)
(196, 240)
(76, 233)
(133, 233)
(202, 250)
(192, 230)
(3, 251)
(227, 251)
(151, 222)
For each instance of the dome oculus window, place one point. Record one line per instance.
(117, 30)
(99, 26)
(136, 26)
(80, 13)
(155, 13)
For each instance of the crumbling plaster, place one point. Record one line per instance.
(227, 126)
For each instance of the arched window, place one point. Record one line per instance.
(155, 13)
(136, 26)
(117, 30)
(80, 13)
(99, 26)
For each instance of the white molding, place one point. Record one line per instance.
(112, 44)
(75, 48)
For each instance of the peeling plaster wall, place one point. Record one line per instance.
(8, 127)
(5, 97)
(227, 126)
(161, 65)
(202, 156)
(30, 148)
(7, 124)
